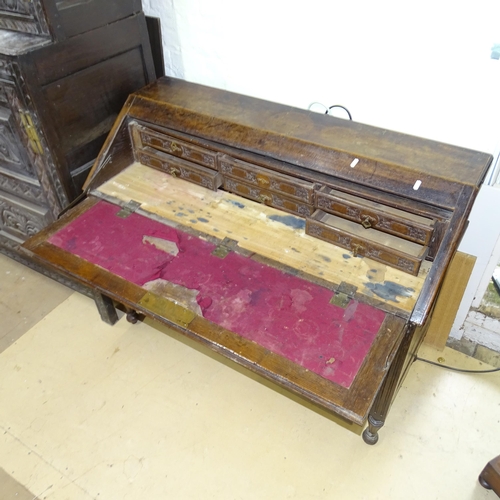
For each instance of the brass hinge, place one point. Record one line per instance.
(226, 246)
(31, 132)
(343, 295)
(129, 208)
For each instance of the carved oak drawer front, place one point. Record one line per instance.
(177, 167)
(267, 179)
(21, 218)
(375, 215)
(382, 247)
(268, 197)
(178, 148)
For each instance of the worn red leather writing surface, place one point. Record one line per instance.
(285, 314)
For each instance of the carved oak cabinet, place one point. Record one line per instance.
(66, 68)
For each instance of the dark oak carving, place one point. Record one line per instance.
(59, 100)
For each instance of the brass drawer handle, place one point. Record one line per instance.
(357, 250)
(263, 198)
(174, 147)
(368, 222)
(174, 172)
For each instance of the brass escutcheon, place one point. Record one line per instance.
(368, 222)
(175, 147)
(174, 172)
(263, 198)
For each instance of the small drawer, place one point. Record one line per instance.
(382, 247)
(268, 198)
(267, 179)
(178, 148)
(375, 215)
(177, 167)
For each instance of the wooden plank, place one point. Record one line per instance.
(449, 298)
(263, 230)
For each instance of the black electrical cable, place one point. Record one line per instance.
(339, 106)
(456, 369)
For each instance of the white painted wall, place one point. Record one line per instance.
(422, 68)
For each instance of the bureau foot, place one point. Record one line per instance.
(106, 308)
(370, 434)
(490, 476)
(484, 483)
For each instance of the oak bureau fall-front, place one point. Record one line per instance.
(306, 248)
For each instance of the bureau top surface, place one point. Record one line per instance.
(305, 138)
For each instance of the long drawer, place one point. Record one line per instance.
(173, 146)
(382, 247)
(267, 179)
(375, 215)
(177, 167)
(268, 197)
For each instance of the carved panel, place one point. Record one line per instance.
(5, 71)
(30, 191)
(16, 6)
(43, 165)
(19, 220)
(23, 15)
(11, 154)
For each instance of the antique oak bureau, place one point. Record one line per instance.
(306, 248)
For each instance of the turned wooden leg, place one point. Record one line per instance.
(385, 396)
(370, 434)
(106, 308)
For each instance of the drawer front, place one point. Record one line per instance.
(267, 179)
(177, 167)
(321, 226)
(21, 219)
(374, 215)
(178, 148)
(268, 198)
